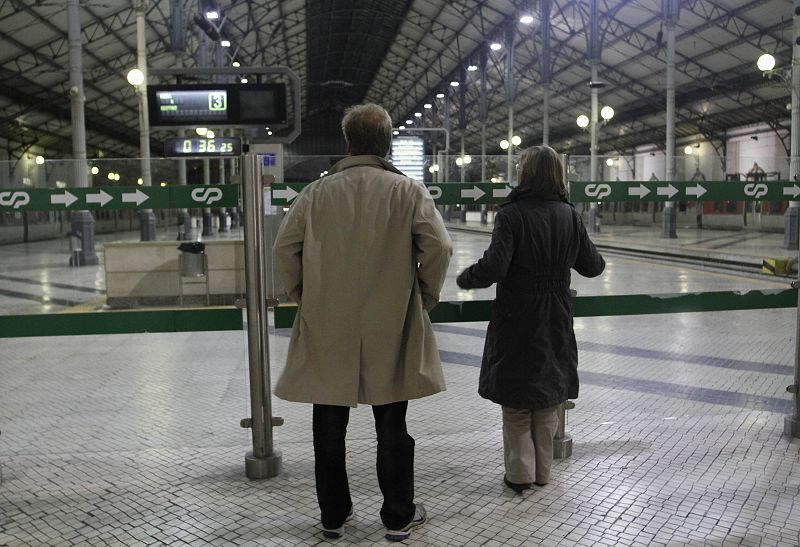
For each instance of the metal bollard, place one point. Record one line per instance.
(562, 443)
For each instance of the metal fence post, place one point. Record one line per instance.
(562, 443)
(263, 461)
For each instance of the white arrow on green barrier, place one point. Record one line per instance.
(696, 191)
(668, 190)
(475, 193)
(102, 198)
(138, 197)
(501, 192)
(66, 199)
(792, 190)
(287, 194)
(640, 191)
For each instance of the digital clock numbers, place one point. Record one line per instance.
(200, 146)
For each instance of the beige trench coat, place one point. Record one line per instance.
(364, 252)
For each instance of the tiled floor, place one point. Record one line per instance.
(134, 439)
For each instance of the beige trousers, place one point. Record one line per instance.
(528, 444)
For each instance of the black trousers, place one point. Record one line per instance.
(395, 464)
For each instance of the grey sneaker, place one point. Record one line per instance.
(420, 517)
(336, 533)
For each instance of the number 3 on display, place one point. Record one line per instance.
(217, 101)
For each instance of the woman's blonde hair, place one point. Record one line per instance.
(542, 172)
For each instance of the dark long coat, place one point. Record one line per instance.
(530, 359)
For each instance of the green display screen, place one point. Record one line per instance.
(205, 105)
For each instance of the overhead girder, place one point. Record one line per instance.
(274, 33)
(25, 92)
(654, 134)
(738, 96)
(103, 100)
(404, 100)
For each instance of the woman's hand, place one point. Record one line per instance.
(463, 280)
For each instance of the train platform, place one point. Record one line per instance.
(743, 248)
(134, 439)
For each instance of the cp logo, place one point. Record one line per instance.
(598, 191)
(14, 199)
(207, 195)
(436, 191)
(755, 190)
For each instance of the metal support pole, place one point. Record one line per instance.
(484, 207)
(208, 229)
(184, 221)
(81, 222)
(462, 127)
(594, 61)
(562, 443)
(234, 210)
(546, 77)
(594, 212)
(223, 214)
(510, 95)
(446, 167)
(791, 424)
(147, 219)
(791, 219)
(462, 158)
(483, 107)
(546, 114)
(509, 167)
(669, 215)
(263, 461)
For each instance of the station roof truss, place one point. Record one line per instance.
(401, 54)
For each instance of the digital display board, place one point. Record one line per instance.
(187, 106)
(201, 146)
(227, 105)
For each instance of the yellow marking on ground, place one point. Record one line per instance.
(750, 275)
(89, 305)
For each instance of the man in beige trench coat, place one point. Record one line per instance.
(364, 253)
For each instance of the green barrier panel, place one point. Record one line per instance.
(585, 191)
(595, 306)
(119, 322)
(106, 198)
(442, 194)
(682, 191)
(227, 195)
(189, 320)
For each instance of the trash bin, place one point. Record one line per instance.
(75, 247)
(193, 259)
(193, 262)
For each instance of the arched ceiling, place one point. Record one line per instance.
(401, 54)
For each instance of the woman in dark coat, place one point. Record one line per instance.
(530, 359)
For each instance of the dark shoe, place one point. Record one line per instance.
(515, 486)
(420, 516)
(540, 483)
(336, 533)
